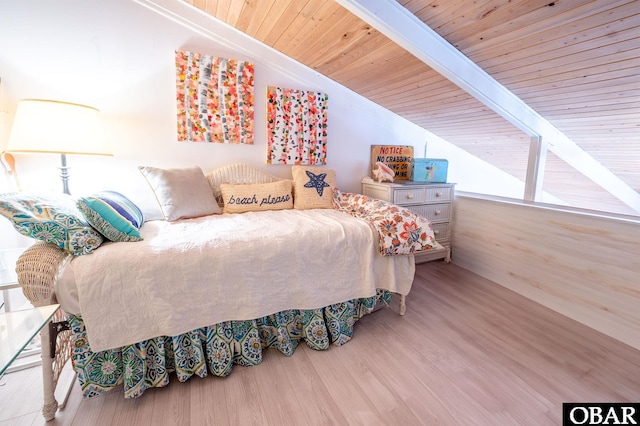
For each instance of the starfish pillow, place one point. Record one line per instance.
(313, 187)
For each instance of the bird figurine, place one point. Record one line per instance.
(383, 173)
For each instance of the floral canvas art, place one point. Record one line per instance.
(296, 127)
(215, 99)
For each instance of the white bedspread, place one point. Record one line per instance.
(197, 272)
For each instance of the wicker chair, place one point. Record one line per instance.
(37, 270)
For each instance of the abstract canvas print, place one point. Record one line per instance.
(215, 99)
(296, 126)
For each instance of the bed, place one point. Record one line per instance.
(196, 296)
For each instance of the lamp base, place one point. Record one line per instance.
(64, 173)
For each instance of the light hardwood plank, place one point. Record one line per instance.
(468, 351)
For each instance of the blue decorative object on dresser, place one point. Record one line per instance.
(429, 170)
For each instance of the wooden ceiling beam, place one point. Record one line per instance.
(397, 23)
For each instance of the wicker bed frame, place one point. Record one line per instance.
(38, 268)
(40, 265)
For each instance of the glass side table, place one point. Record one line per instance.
(8, 277)
(18, 328)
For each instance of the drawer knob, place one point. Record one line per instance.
(409, 196)
(437, 212)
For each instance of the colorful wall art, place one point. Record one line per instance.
(215, 99)
(296, 126)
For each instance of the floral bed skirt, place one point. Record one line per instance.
(213, 349)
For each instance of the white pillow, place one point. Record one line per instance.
(181, 193)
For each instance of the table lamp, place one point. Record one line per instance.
(45, 126)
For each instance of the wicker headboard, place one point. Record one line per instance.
(237, 173)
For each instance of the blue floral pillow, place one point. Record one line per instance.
(51, 218)
(112, 214)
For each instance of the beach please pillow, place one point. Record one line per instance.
(313, 187)
(240, 198)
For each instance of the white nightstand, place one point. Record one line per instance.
(431, 200)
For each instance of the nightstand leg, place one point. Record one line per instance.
(403, 305)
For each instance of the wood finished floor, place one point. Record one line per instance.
(468, 352)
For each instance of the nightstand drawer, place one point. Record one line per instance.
(434, 212)
(438, 194)
(409, 196)
(441, 231)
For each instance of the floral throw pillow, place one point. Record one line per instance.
(400, 230)
(50, 218)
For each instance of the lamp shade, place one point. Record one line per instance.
(57, 127)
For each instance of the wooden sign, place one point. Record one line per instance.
(397, 157)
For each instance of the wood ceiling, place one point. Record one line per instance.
(575, 62)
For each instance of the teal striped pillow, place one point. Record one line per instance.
(113, 215)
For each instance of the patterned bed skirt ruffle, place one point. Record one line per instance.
(212, 349)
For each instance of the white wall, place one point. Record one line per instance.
(118, 56)
(584, 266)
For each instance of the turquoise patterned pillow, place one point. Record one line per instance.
(115, 216)
(54, 219)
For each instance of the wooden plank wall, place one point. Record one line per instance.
(582, 266)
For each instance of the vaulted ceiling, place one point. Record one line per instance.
(574, 62)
